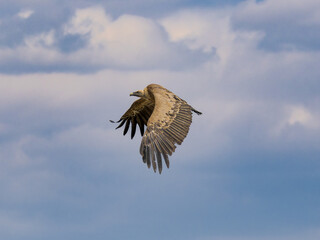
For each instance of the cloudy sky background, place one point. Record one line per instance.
(250, 166)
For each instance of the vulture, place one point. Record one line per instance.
(167, 118)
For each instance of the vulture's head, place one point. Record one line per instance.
(141, 93)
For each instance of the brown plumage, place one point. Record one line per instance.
(167, 118)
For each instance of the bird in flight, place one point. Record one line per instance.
(167, 118)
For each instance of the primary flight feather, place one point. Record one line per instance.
(167, 118)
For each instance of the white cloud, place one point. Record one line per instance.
(36, 50)
(211, 31)
(297, 115)
(300, 115)
(25, 14)
(130, 41)
(92, 21)
(45, 39)
(196, 29)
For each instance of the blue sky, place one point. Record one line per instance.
(250, 166)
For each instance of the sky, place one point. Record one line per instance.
(249, 168)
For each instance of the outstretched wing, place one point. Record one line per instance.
(139, 113)
(168, 125)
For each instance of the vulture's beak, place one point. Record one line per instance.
(137, 94)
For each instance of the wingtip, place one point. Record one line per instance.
(196, 111)
(115, 121)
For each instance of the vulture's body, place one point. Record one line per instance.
(167, 118)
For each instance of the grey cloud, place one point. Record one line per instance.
(249, 166)
(71, 43)
(290, 27)
(69, 173)
(58, 50)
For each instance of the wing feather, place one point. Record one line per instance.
(166, 159)
(159, 161)
(153, 150)
(133, 128)
(121, 124)
(126, 128)
(138, 113)
(167, 126)
(140, 123)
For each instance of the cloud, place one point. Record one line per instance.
(210, 31)
(45, 39)
(251, 158)
(287, 24)
(129, 42)
(300, 115)
(238, 83)
(92, 40)
(24, 14)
